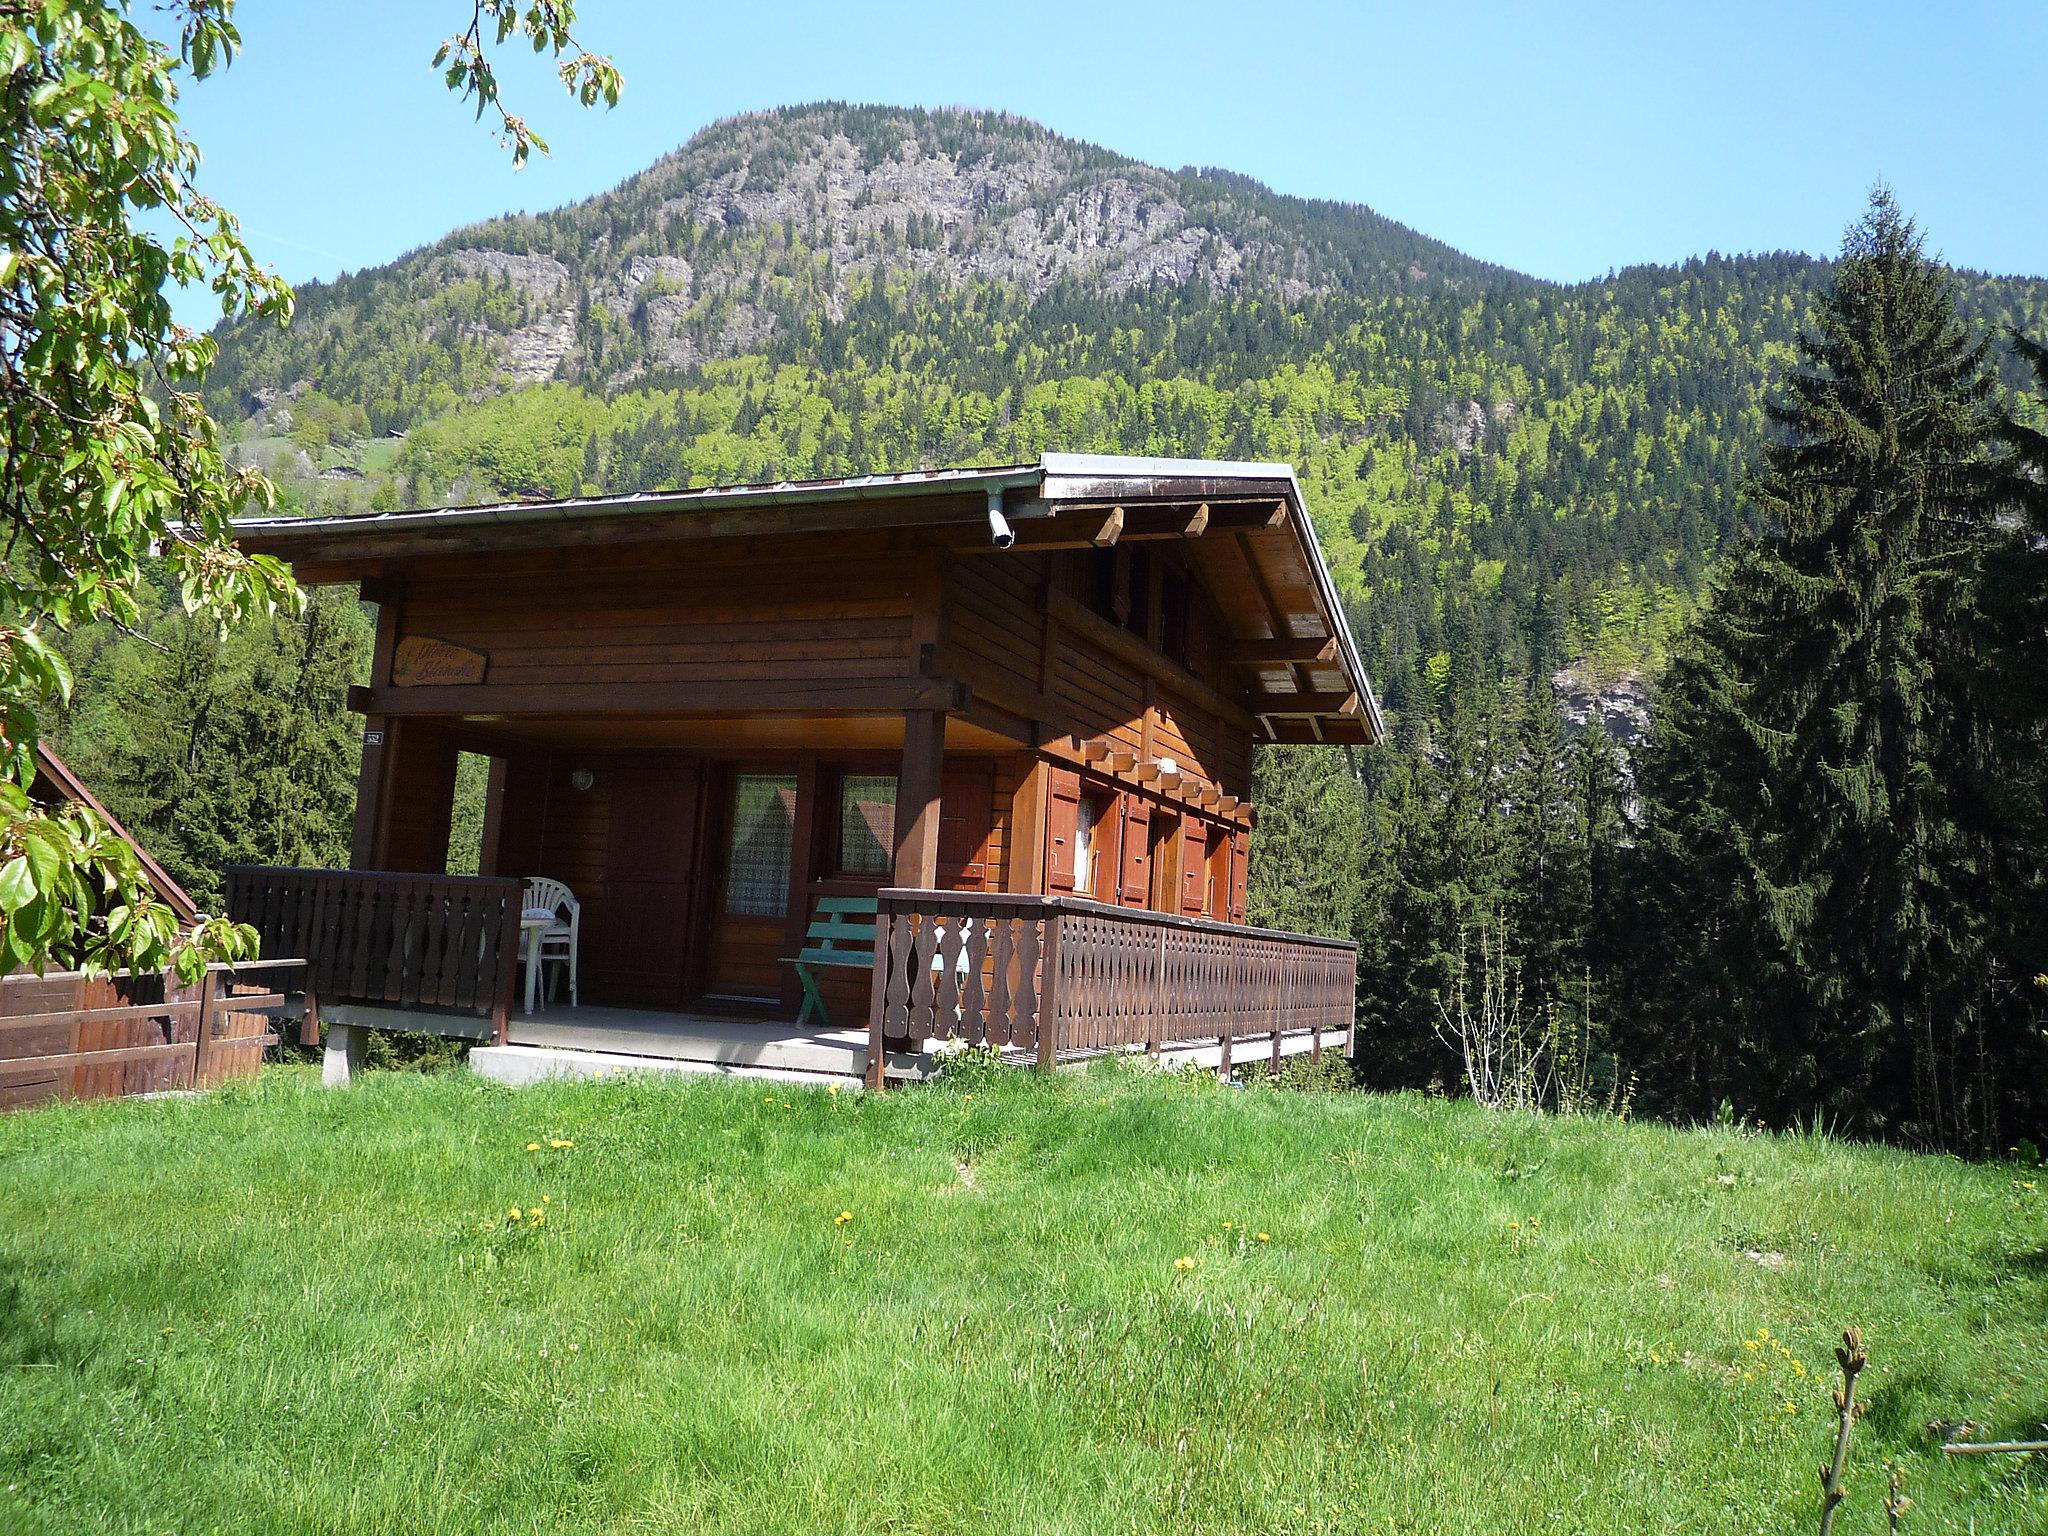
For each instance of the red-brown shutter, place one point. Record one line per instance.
(1137, 862)
(1061, 819)
(966, 822)
(1240, 872)
(1192, 867)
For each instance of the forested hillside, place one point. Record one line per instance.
(1511, 478)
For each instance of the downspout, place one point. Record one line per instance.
(1000, 533)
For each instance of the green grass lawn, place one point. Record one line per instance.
(1097, 1304)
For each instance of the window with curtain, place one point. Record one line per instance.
(867, 823)
(763, 837)
(1087, 841)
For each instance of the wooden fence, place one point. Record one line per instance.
(67, 1034)
(1057, 975)
(441, 949)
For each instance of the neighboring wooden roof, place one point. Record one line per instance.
(1245, 526)
(53, 771)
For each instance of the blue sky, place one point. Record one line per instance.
(1561, 139)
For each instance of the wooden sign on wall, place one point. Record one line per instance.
(421, 662)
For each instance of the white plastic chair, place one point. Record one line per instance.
(551, 898)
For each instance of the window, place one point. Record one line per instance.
(763, 835)
(867, 823)
(1087, 837)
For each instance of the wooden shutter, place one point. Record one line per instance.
(1240, 872)
(966, 820)
(1193, 867)
(1136, 885)
(1061, 822)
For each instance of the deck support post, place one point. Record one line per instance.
(309, 1020)
(1049, 997)
(344, 1058)
(917, 798)
(917, 808)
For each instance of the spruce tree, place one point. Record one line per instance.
(1839, 719)
(1306, 855)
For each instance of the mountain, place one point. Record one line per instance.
(1511, 476)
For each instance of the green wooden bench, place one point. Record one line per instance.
(842, 934)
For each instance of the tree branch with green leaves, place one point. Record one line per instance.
(109, 461)
(465, 62)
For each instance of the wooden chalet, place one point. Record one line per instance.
(1012, 707)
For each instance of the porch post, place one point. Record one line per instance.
(917, 823)
(389, 596)
(917, 798)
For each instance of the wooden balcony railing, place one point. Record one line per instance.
(1056, 975)
(426, 945)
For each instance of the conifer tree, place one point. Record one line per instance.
(1307, 844)
(1837, 713)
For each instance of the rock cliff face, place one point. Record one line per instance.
(1620, 702)
(762, 221)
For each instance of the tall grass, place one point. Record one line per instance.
(1099, 1304)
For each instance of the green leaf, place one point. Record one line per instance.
(17, 885)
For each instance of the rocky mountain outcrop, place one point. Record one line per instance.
(763, 220)
(1620, 701)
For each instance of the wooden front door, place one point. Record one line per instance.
(639, 932)
(750, 902)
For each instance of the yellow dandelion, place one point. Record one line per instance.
(487, 1226)
(1265, 1237)
(533, 1146)
(544, 1199)
(1749, 1343)
(832, 1090)
(1185, 1261)
(1226, 1226)
(560, 1143)
(514, 1214)
(1514, 1226)
(540, 1217)
(842, 1218)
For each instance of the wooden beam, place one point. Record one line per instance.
(1268, 514)
(1097, 527)
(1342, 702)
(1267, 653)
(1342, 729)
(855, 696)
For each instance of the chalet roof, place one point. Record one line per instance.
(1258, 551)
